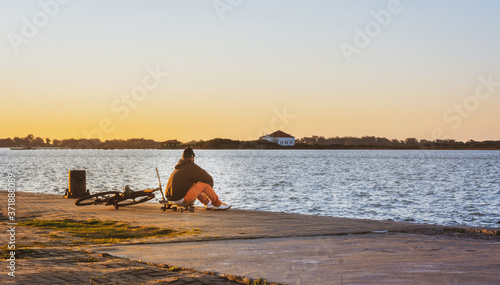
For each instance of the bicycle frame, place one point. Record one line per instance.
(119, 199)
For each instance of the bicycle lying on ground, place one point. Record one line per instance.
(120, 199)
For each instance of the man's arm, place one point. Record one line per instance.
(199, 174)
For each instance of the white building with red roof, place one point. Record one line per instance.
(280, 138)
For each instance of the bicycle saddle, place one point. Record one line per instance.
(127, 190)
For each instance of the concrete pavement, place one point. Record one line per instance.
(290, 248)
(352, 259)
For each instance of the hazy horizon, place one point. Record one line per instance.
(191, 140)
(234, 69)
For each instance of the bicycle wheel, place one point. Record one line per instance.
(97, 198)
(132, 199)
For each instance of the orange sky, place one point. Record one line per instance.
(176, 70)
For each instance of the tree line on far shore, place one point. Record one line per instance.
(313, 142)
(384, 143)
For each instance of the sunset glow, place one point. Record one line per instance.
(195, 70)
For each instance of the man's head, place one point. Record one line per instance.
(188, 153)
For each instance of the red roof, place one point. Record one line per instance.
(280, 134)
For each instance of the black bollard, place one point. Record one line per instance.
(77, 184)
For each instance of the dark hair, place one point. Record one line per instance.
(188, 153)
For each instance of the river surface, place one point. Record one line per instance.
(435, 187)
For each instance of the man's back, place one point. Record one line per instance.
(186, 173)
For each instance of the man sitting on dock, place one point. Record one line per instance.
(189, 182)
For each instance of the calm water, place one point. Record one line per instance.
(443, 187)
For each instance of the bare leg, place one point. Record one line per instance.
(197, 189)
(203, 199)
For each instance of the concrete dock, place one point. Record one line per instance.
(241, 245)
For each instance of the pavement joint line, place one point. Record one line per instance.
(381, 232)
(244, 238)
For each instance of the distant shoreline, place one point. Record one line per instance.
(306, 143)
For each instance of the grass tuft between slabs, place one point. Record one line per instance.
(97, 231)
